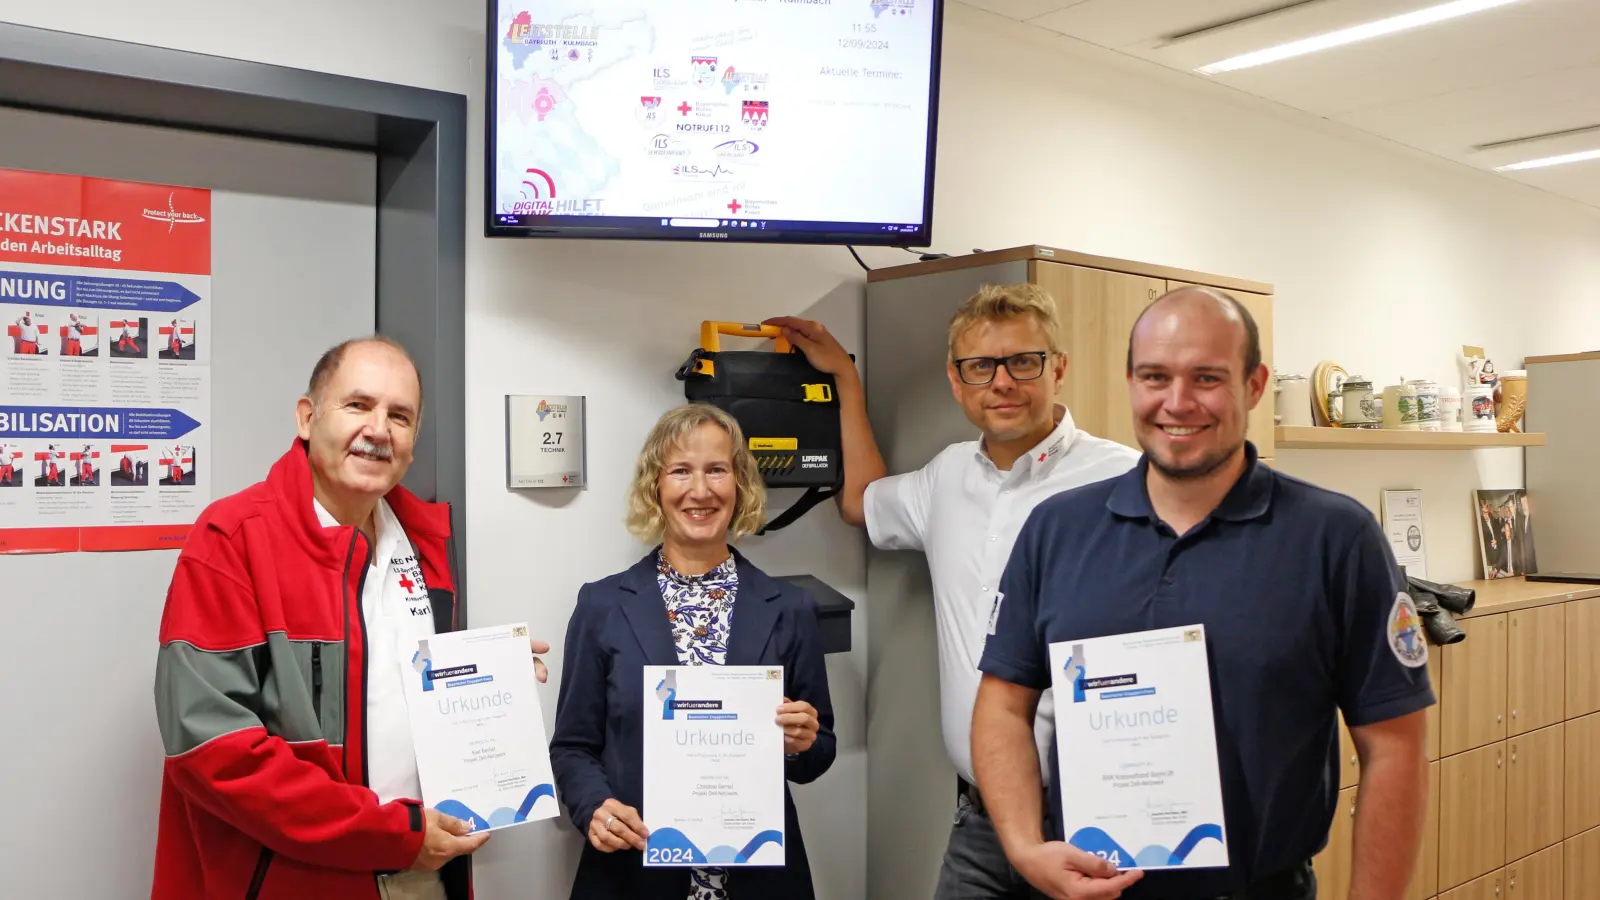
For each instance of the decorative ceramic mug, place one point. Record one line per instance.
(1477, 409)
(1294, 400)
(1449, 408)
(1513, 399)
(1407, 407)
(1357, 404)
(1427, 403)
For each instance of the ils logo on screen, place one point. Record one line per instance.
(738, 148)
(892, 7)
(649, 111)
(755, 115)
(704, 70)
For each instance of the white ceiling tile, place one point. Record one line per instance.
(1529, 67)
(1463, 54)
(1579, 181)
(1021, 10)
(1125, 24)
(1453, 124)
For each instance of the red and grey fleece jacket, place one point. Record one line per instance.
(260, 693)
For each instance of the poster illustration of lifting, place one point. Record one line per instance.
(105, 366)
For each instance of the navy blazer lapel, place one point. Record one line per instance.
(646, 611)
(754, 615)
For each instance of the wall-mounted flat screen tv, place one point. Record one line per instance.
(799, 121)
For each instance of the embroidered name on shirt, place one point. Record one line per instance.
(407, 573)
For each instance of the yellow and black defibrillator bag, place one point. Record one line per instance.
(786, 408)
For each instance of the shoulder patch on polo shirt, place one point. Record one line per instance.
(1405, 632)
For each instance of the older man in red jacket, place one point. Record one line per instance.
(290, 770)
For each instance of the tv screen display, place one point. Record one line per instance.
(801, 121)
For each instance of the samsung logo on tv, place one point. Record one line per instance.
(717, 235)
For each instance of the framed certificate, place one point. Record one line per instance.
(713, 766)
(1140, 785)
(482, 754)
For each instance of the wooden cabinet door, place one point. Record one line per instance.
(1538, 877)
(1583, 656)
(1580, 858)
(1262, 419)
(1097, 309)
(1332, 865)
(1349, 763)
(1490, 887)
(1425, 877)
(1473, 712)
(1436, 676)
(1583, 776)
(1536, 668)
(1535, 773)
(1472, 814)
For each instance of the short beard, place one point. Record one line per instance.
(1204, 467)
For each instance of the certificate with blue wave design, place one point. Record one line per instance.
(713, 766)
(1140, 784)
(477, 724)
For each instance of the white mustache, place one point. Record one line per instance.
(367, 448)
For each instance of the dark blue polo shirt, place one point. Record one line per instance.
(1297, 589)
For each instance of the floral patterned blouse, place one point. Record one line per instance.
(700, 611)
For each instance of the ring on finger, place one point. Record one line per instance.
(609, 820)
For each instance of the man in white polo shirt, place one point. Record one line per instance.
(963, 511)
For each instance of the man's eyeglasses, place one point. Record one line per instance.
(982, 369)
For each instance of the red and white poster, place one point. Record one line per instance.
(105, 365)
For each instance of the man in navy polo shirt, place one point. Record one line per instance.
(1304, 614)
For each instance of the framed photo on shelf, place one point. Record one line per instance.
(1504, 523)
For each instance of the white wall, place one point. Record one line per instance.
(1384, 261)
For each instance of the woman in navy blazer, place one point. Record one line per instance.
(691, 601)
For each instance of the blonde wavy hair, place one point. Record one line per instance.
(1000, 303)
(646, 520)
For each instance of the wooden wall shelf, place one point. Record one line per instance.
(1301, 437)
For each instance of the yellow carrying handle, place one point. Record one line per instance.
(710, 330)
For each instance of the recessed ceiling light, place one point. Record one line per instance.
(1550, 161)
(1355, 33)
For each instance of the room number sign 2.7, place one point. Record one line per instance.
(544, 441)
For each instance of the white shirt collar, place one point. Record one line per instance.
(1045, 454)
(388, 526)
